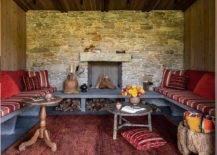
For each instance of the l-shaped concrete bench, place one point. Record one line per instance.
(152, 97)
(15, 125)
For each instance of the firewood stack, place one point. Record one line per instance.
(97, 105)
(68, 105)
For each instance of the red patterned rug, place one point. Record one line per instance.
(92, 135)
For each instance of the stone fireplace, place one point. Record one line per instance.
(101, 63)
(111, 69)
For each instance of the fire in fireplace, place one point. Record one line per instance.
(102, 70)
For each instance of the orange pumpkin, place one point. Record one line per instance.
(208, 125)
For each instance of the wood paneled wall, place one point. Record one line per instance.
(199, 36)
(13, 36)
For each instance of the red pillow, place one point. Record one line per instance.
(178, 82)
(167, 75)
(8, 86)
(143, 139)
(194, 77)
(206, 86)
(17, 77)
(43, 77)
(31, 83)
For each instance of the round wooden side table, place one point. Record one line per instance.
(42, 132)
(120, 122)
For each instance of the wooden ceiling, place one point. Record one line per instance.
(104, 5)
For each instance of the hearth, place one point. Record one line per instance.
(110, 69)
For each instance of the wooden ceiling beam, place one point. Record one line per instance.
(129, 2)
(155, 5)
(104, 5)
(150, 5)
(66, 5)
(170, 5)
(59, 6)
(21, 5)
(188, 4)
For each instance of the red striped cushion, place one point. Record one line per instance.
(31, 73)
(178, 82)
(5, 110)
(165, 91)
(14, 103)
(31, 83)
(167, 75)
(190, 99)
(143, 139)
(8, 107)
(41, 92)
(43, 78)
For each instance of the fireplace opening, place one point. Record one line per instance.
(110, 69)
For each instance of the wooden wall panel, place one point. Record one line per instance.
(199, 36)
(13, 36)
(0, 31)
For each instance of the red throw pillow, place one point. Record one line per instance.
(206, 86)
(17, 77)
(143, 139)
(8, 86)
(178, 82)
(31, 83)
(167, 75)
(193, 78)
(43, 77)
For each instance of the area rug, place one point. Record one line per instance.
(92, 135)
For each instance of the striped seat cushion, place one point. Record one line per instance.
(35, 93)
(190, 99)
(8, 107)
(165, 91)
(16, 102)
(206, 107)
(143, 139)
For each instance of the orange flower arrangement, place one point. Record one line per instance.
(132, 91)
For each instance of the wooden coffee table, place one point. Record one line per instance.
(42, 132)
(120, 122)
